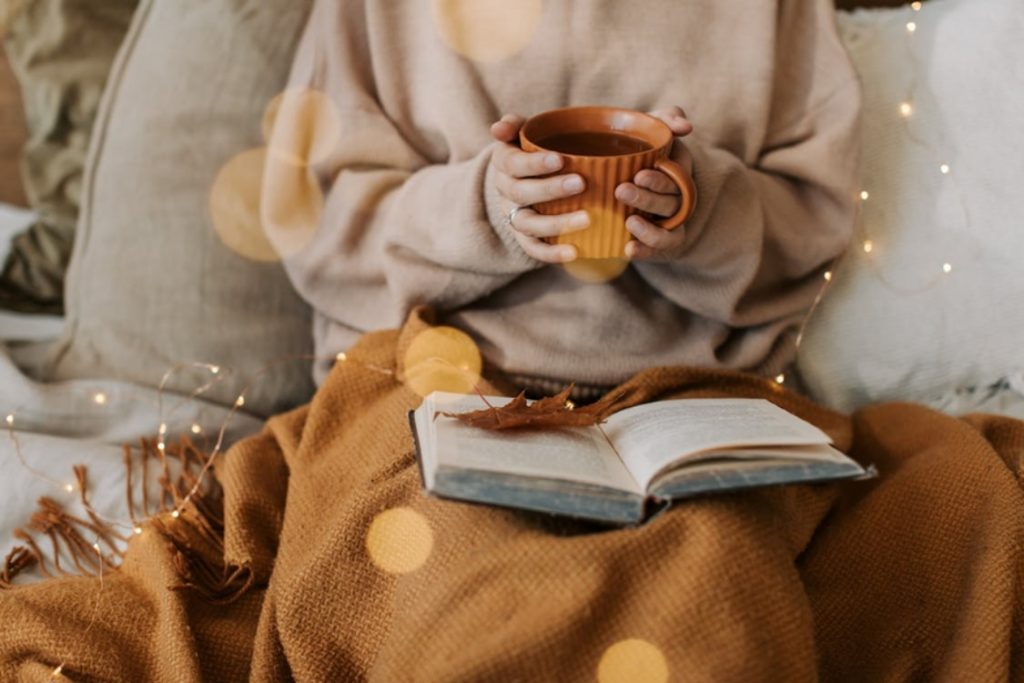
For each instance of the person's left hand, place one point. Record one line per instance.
(654, 193)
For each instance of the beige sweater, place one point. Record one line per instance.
(775, 105)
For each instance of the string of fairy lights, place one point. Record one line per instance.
(904, 113)
(218, 374)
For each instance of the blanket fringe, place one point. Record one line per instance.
(195, 536)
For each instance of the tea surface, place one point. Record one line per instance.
(594, 144)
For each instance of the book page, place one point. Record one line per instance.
(574, 454)
(655, 435)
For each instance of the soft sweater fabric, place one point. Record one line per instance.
(409, 218)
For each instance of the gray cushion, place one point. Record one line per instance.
(151, 284)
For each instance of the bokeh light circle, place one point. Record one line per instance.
(235, 206)
(442, 359)
(632, 661)
(399, 540)
(263, 208)
(486, 30)
(302, 126)
(596, 270)
(291, 205)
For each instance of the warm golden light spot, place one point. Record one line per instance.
(265, 225)
(596, 270)
(486, 30)
(99, 398)
(632, 661)
(442, 359)
(235, 207)
(399, 540)
(301, 126)
(291, 205)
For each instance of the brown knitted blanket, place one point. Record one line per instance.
(335, 567)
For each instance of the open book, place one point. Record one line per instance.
(639, 459)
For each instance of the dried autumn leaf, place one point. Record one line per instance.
(547, 412)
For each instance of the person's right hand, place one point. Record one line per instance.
(515, 177)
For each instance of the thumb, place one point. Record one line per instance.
(507, 128)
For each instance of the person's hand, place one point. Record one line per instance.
(515, 177)
(654, 193)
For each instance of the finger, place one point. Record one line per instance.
(533, 224)
(519, 164)
(675, 118)
(645, 200)
(638, 251)
(507, 127)
(548, 253)
(655, 181)
(534, 191)
(653, 236)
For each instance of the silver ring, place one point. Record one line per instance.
(512, 215)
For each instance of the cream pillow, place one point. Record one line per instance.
(151, 284)
(943, 195)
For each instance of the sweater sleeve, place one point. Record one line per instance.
(397, 229)
(769, 222)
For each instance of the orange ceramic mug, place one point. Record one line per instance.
(607, 146)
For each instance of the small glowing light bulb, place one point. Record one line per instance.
(906, 109)
(10, 418)
(916, 6)
(96, 547)
(780, 378)
(944, 169)
(175, 514)
(214, 369)
(569, 405)
(137, 530)
(828, 276)
(947, 267)
(869, 246)
(864, 195)
(163, 428)
(161, 445)
(69, 487)
(240, 401)
(911, 27)
(99, 398)
(196, 429)
(341, 357)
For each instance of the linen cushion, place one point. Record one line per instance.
(151, 284)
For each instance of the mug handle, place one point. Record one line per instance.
(687, 191)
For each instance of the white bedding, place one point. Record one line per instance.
(61, 425)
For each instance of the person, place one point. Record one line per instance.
(424, 172)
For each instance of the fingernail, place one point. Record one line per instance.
(569, 254)
(573, 183)
(580, 220)
(626, 193)
(553, 161)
